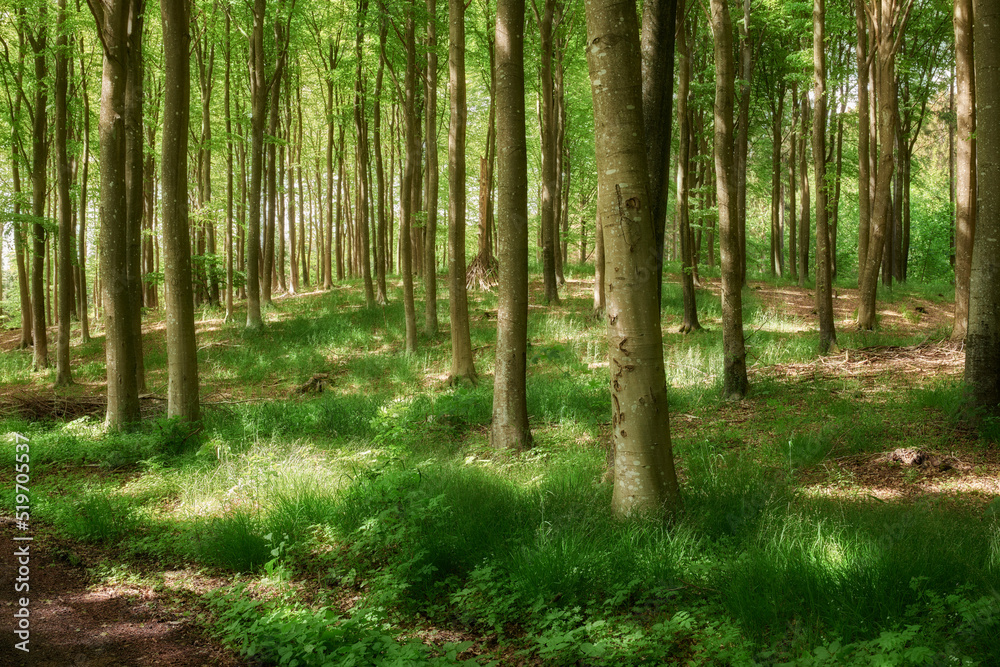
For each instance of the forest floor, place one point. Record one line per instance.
(133, 531)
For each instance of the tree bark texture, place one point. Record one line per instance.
(645, 479)
(510, 407)
(965, 160)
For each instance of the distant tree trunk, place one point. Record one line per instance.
(63, 374)
(327, 247)
(431, 185)
(982, 341)
(558, 144)
(600, 259)
(659, 24)
(548, 137)
(81, 238)
(122, 392)
(791, 221)
(645, 479)
(510, 428)
(182, 352)
(39, 185)
(777, 238)
(274, 91)
(805, 211)
(965, 160)
(835, 208)
(134, 182)
(690, 322)
(462, 366)
(381, 296)
(258, 104)
(734, 377)
(406, 186)
(864, 150)
(745, 75)
(364, 184)
(824, 285)
(229, 177)
(891, 22)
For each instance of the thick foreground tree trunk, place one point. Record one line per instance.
(182, 352)
(965, 160)
(982, 342)
(510, 407)
(645, 479)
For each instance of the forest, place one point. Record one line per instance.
(566, 332)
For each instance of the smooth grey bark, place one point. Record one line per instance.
(510, 429)
(734, 374)
(182, 352)
(645, 479)
(982, 341)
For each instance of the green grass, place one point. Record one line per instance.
(383, 488)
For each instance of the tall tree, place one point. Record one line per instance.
(431, 175)
(63, 373)
(965, 161)
(258, 111)
(890, 17)
(659, 25)
(510, 428)
(685, 140)
(39, 185)
(182, 352)
(864, 47)
(734, 373)
(364, 183)
(545, 20)
(409, 174)
(645, 478)
(134, 182)
(462, 366)
(824, 286)
(982, 341)
(123, 392)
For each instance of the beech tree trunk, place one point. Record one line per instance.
(406, 185)
(645, 479)
(123, 392)
(510, 428)
(982, 341)
(824, 286)
(690, 322)
(364, 183)
(734, 374)
(431, 180)
(965, 161)
(381, 296)
(548, 138)
(462, 366)
(258, 106)
(63, 374)
(39, 185)
(182, 352)
(659, 25)
(864, 149)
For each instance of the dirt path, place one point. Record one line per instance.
(74, 624)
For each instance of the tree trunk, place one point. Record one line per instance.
(63, 374)
(864, 150)
(690, 322)
(406, 186)
(81, 238)
(364, 184)
(548, 139)
(462, 366)
(734, 377)
(824, 286)
(791, 220)
(381, 296)
(182, 352)
(982, 341)
(510, 428)
(881, 209)
(40, 153)
(645, 479)
(745, 76)
(431, 185)
(122, 390)
(805, 211)
(659, 24)
(777, 239)
(134, 183)
(258, 104)
(965, 160)
(229, 177)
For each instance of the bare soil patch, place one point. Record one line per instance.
(77, 624)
